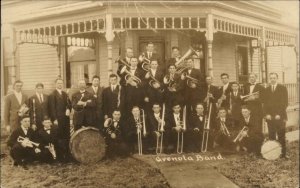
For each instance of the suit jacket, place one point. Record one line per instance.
(58, 104)
(153, 123)
(45, 139)
(130, 130)
(85, 114)
(99, 100)
(154, 94)
(225, 102)
(275, 103)
(13, 138)
(41, 109)
(118, 130)
(120, 66)
(154, 56)
(254, 125)
(170, 121)
(236, 104)
(11, 108)
(172, 61)
(110, 99)
(228, 122)
(195, 94)
(255, 105)
(195, 122)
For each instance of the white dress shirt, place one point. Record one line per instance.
(40, 97)
(157, 116)
(95, 89)
(18, 96)
(177, 118)
(225, 87)
(59, 91)
(24, 130)
(252, 87)
(153, 72)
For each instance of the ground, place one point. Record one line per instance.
(243, 170)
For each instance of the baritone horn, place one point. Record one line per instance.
(122, 61)
(129, 76)
(160, 131)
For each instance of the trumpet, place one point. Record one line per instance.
(240, 136)
(141, 125)
(224, 129)
(51, 149)
(180, 134)
(27, 142)
(206, 130)
(160, 129)
(252, 94)
(129, 76)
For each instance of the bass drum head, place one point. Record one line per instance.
(271, 150)
(87, 145)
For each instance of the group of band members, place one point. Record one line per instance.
(146, 93)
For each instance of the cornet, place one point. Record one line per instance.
(160, 129)
(241, 134)
(224, 129)
(51, 149)
(252, 94)
(27, 142)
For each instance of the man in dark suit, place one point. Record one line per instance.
(96, 91)
(113, 97)
(175, 56)
(134, 86)
(193, 89)
(84, 105)
(12, 105)
(275, 104)
(150, 55)
(224, 91)
(253, 138)
(153, 85)
(254, 102)
(114, 128)
(212, 95)
(47, 137)
(38, 105)
(195, 130)
(125, 62)
(59, 112)
(235, 103)
(173, 88)
(23, 151)
(222, 130)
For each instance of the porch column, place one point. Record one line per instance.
(263, 56)
(109, 35)
(209, 40)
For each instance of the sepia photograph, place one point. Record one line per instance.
(149, 94)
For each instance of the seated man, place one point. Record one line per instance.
(23, 149)
(47, 137)
(113, 130)
(195, 131)
(252, 137)
(222, 130)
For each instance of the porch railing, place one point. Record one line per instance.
(293, 93)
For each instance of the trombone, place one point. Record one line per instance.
(182, 124)
(240, 136)
(141, 126)
(206, 130)
(160, 129)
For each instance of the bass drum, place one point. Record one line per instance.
(271, 150)
(87, 145)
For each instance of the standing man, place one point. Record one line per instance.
(224, 91)
(150, 55)
(59, 111)
(96, 91)
(254, 102)
(84, 105)
(175, 56)
(13, 103)
(127, 60)
(275, 104)
(113, 97)
(38, 102)
(193, 88)
(235, 103)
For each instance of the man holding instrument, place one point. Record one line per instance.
(84, 105)
(22, 148)
(275, 104)
(38, 105)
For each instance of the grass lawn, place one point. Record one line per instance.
(250, 171)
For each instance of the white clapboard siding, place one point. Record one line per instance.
(223, 57)
(289, 63)
(103, 60)
(256, 64)
(38, 63)
(274, 61)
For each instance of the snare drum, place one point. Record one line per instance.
(87, 145)
(271, 150)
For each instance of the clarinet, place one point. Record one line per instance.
(34, 115)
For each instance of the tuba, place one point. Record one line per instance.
(180, 62)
